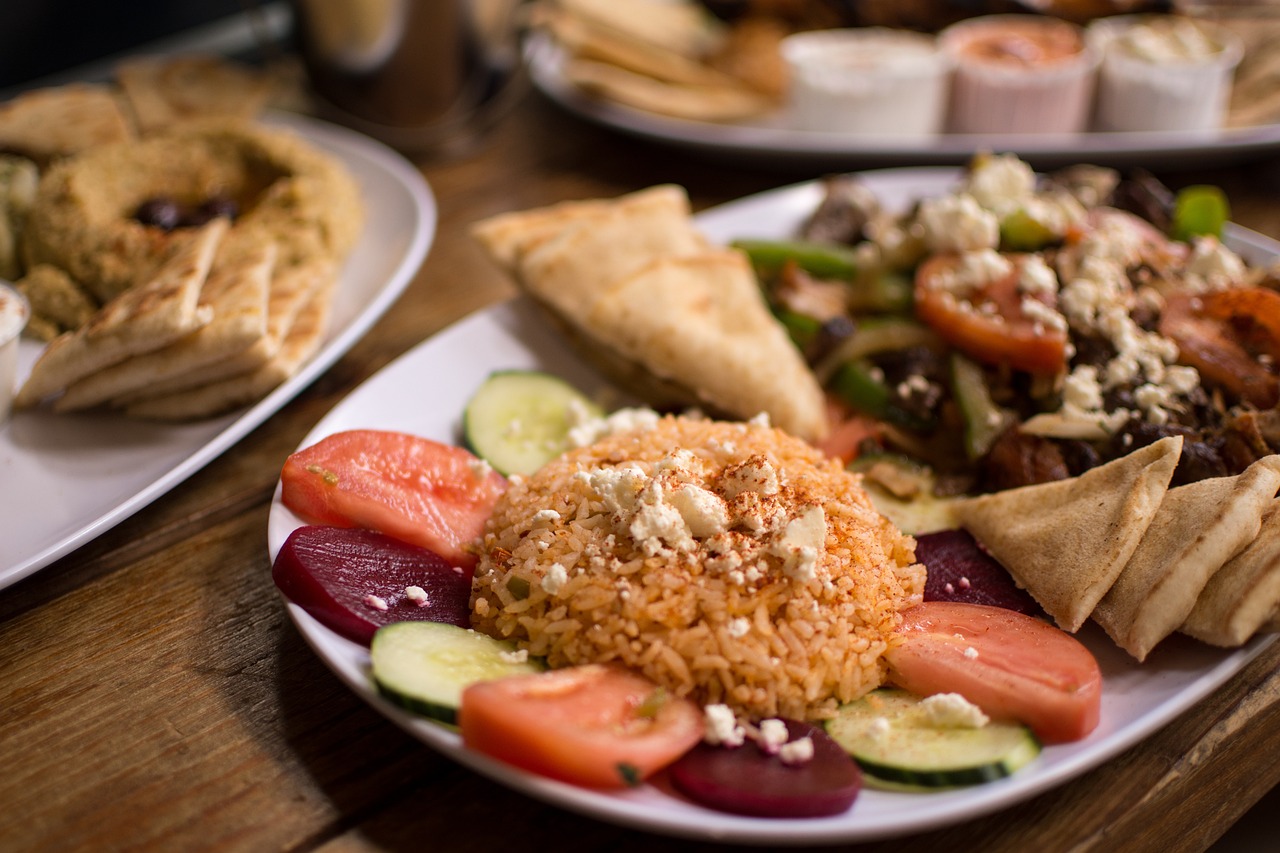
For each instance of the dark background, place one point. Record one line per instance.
(43, 37)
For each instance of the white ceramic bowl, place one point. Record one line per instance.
(14, 312)
(867, 81)
(1162, 72)
(1019, 74)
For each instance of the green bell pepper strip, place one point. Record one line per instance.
(1199, 210)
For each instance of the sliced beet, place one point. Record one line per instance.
(343, 576)
(957, 569)
(747, 780)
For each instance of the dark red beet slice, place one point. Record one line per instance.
(747, 780)
(959, 570)
(341, 576)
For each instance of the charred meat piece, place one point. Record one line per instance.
(1018, 459)
(841, 217)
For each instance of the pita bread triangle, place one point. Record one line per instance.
(1067, 541)
(1198, 528)
(235, 291)
(140, 320)
(1243, 595)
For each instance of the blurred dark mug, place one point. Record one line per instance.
(420, 75)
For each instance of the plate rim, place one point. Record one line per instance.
(238, 425)
(543, 58)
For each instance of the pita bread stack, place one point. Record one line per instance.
(680, 322)
(1141, 559)
(668, 58)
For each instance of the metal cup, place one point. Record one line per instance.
(423, 76)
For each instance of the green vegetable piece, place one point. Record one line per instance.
(861, 388)
(800, 327)
(983, 419)
(818, 259)
(886, 293)
(1199, 210)
(518, 420)
(1022, 232)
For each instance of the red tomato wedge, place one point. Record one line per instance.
(414, 489)
(598, 726)
(1207, 340)
(847, 431)
(1007, 336)
(1012, 666)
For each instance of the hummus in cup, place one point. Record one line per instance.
(1163, 72)
(1019, 74)
(14, 312)
(867, 81)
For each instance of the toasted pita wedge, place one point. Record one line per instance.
(303, 341)
(1066, 542)
(681, 26)
(291, 289)
(693, 102)
(567, 268)
(1242, 595)
(235, 291)
(141, 320)
(46, 124)
(163, 90)
(700, 320)
(1198, 528)
(509, 236)
(586, 39)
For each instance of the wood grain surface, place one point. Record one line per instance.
(153, 695)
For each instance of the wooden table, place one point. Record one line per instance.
(154, 696)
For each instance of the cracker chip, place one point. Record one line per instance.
(1244, 594)
(46, 124)
(302, 342)
(692, 102)
(235, 291)
(163, 90)
(146, 318)
(1198, 528)
(1067, 541)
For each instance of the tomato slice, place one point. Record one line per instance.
(414, 489)
(847, 431)
(1012, 666)
(1006, 337)
(599, 726)
(1202, 328)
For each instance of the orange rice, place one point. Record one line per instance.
(733, 607)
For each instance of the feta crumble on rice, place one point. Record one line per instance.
(952, 711)
(722, 727)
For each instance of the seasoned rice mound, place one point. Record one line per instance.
(728, 562)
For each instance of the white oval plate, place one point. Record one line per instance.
(445, 370)
(65, 479)
(773, 139)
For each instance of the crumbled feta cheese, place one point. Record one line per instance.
(755, 474)
(480, 468)
(377, 602)
(952, 711)
(546, 516)
(802, 542)
(1001, 183)
(773, 734)
(722, 727)
(761, 420)
(703, 511)
(974, 270)
(555, 579)
(1042, 314)
(878, 729)
(957, 223)
(739, 627)
(970, 653)
(591, 430)
(517, 656)
(417, 595)
(1212, 266)
(657, 524)
(798, 751)
(619, 487)
(1037, 278)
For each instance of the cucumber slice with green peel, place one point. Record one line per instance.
(518, 420)
(893, 740)
(424, 666)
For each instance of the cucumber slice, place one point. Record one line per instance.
(912, 754)
(518, 420)
(424, 666)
